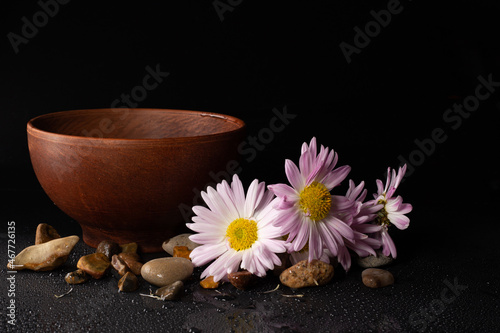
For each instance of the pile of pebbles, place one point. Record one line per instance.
(169, 273)
(302, 274)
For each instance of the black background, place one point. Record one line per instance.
(264, 56)
(254, 57)
(259, 56)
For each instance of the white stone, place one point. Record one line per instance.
(179, 240)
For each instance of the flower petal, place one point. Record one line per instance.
(282, 190)
(399, 220)
(335, 177)
(388, 245)
(293, 175)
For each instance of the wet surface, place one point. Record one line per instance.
(447, 287)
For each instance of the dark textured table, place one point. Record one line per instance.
(446, 281)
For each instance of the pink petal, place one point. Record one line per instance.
(335, 177)
(315, 243)
(302, 235)
(380, 187)
(328, 239)
(201, 255)
(281, 190)
(389, 247)
(254, 195)
(341, 203)
(217, 204)
(342, 228)
(405, 208)
(227, 196)
(399, 220)
(368, 228)
(238, 193)
(293, 175)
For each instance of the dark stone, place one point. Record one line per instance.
(119, 265)
(76, 277)
(377, 278)
(108, 248)
(128, 282)
(132, 262)
(171, 292)
(242, 279)
(45, 233)
(95, 264)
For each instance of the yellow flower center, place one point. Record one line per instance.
(382, 218)
(315, 201)
(242, 233)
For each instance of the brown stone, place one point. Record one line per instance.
(242, 279)
(307, 274)
(44, 257)
(95, 264)
(171, 292)
(377, 278)
(108, 248)
(131, 260)
(119, 265)
(209, 283)
(45, 233)
(129, 247)
(182, 251)
(128, 282)
(76, 277)
(129, 256)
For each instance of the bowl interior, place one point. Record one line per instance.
(136, 123)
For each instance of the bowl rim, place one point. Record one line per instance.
(35, 131)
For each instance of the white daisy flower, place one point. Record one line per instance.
(236, 231)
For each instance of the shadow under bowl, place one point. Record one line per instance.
(131, 175)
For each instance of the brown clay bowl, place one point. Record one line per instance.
(126, 174)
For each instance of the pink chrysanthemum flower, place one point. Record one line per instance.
(307, 212)
(236, 230)
(392, 211)
(362, 215)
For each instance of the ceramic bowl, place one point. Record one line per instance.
(131, 175)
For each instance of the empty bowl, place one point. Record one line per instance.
(131, 175)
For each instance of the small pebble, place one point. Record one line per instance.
(108, 248)
(377, 278)
(307, 274)
(132, 262)
(171, 292)
(45, 233)
(182, 252)
(208, 283)
(95, 264)
(119, 265)
(76, 277)
(129, 247)
(129, 256)
(179, 240)
(242, 279)
(128, 282)
(164, 271)
(44, 257)
(375, 261)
